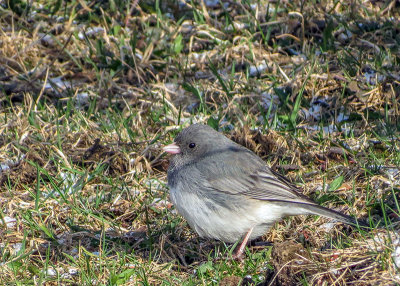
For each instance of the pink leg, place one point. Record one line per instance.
(238, 253)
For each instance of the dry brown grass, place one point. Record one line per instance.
(90, 93)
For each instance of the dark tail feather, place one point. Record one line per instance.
(318, 210)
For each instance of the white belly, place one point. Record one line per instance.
(222, 223)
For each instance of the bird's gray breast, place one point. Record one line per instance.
(210, 212)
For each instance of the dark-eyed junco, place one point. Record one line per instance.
(226, 192)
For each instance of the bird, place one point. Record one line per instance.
(227, 192)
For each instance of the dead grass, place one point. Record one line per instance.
(90, 92)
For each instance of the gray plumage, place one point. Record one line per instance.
(223, 189)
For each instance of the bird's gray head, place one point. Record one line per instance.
(194, 142)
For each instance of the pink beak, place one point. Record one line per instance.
(172, 149)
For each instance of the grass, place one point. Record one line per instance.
(90, 91)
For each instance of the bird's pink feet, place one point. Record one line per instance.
(238, 254)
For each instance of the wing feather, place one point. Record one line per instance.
(251, 177)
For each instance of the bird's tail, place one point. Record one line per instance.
(319, 210)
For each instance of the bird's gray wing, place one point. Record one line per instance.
(243, 173)
(269, 186)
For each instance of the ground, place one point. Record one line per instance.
(91, 91)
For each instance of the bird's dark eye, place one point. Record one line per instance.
(192, 145)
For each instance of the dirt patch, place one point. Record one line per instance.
(98, 152)
(24, 172)
(261, 144)
(231, 281)
(288, 259)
